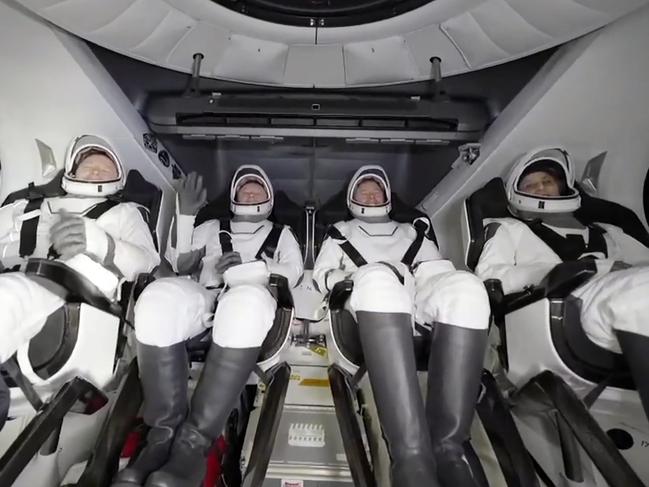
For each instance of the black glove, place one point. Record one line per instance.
(227, 260)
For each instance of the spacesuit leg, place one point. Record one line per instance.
(169, 311)
(615, 315)
(243, 318)
(457, 306)
(25, 306)
(383, 308)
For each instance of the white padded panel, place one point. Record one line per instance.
(614, 8)
(559, 18)
(207, 39)
(40, 4)
(213, 13)
(161, 42)
(85, 16)
(381, 61)
(476, 46)
(477, 33)
(248, 59)
(431, 13)
(431, 41)
(133, 26)
(507, 29)
(315, 65)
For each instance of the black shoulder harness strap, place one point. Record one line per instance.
(29, 227)
(269, 245)
(225, 238)
(570, 247)
(346, 246)
(421, 227)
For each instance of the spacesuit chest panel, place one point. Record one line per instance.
(379, 242)
(246, 239)
(572, 244)
(41, 221)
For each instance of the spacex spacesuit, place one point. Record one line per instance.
(543, 232)
(105, 241)
(240, 254)
(400, 278)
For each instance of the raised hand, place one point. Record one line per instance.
(191, 194)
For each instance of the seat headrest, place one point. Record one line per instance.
(140, 191)
(490, 201)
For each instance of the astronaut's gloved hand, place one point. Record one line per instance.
(68, 236)
(191, 194)
(73, 235)
(227, 260)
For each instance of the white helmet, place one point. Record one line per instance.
(357, 209)
(77, 150)
(554, 161)
(256, 211)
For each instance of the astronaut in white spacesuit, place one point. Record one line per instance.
(105, 243)
(241, 254)
(544, 232)
(400, 278)
(104, 240)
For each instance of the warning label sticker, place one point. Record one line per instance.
(292, 483)
(315, 382)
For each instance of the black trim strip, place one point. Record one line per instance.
(269, 418)
(44, 424)
(359, 465)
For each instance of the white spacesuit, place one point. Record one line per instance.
(543, 232)
(400, 278)
(107, 243)
(241, 254)
(104, 240)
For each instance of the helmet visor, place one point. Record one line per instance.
(545, 178)
(94, 165)
(251, 190)
(369, 190)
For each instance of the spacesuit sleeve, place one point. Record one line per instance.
(288, 258)
(499, 261)
(627, 248)
(329, 266)
(186, 244)
(135, 251)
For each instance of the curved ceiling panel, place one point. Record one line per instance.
(466, 34)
